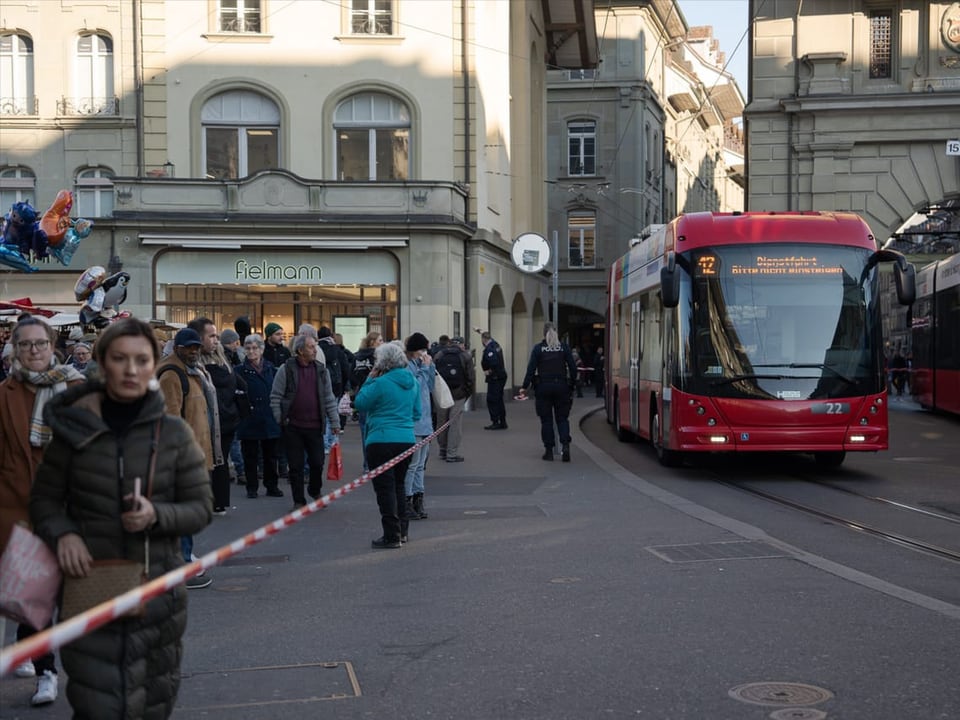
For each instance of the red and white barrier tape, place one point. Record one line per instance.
(85, 623)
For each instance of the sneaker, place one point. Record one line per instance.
(25, 670)
(194, 558)
(298, 505)
(403, 539)
(252, 494)
(198, 583)
(220, 511)
(46, 689)
(276, 492)
(384, 544)
(455, 458)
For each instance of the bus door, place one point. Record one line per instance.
(636, 324)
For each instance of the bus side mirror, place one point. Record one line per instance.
(670, 283)
(905, 278)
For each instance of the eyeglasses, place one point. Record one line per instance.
(33, 344)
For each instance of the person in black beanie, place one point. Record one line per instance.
(242, 326)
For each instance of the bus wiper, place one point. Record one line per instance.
(738, 378)
(823, 366)
(818, 366)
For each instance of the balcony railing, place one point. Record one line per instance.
(18, 105)
(105, 106)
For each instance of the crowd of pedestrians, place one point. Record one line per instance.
(208, 407)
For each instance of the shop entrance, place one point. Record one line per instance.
(352, 311)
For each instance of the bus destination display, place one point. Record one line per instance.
(792, 265)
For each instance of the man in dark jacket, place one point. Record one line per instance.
(303, 403)
(553, 373)
(455, 366)
(274, 350)
(495, 372)
(338, 365)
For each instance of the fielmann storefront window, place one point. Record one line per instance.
(350, 295)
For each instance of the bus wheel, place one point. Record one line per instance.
(622, 435)
(829, 459)
(667, 458)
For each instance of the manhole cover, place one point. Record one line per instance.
(780, 693)
(798, 714)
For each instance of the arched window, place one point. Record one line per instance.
(94, 193)
(372, 138)
(241, 134)
(93, 77)
(16, 75)
(16, 185)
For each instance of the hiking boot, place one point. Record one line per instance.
(46, 689)
(418, 507)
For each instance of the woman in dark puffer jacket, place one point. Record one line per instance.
(81, 505)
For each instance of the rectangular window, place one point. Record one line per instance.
(881, 39)
(373, 153)
(240, 16)
(582, 145)
(582, 235)
(238, 152)
(371, 17)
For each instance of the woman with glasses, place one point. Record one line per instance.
(35, 377)
(259, 431)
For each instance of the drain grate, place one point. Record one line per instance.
(731, 550)
(798, 714)
(780, 693)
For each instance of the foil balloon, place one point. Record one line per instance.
(56, 220)
(21, 237)
(90, 311)
(89, 281)
(78, 230)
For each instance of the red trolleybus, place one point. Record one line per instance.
(751, 332)
(935, 381)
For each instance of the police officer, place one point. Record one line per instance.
(553, 372)
(495, 373)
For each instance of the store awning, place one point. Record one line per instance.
(233, 242)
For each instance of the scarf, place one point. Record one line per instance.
(48, 382)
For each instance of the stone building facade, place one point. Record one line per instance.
(367, 176)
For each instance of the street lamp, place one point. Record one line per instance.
(169, 169)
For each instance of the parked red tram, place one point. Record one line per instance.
(753, 331)
(935, 380)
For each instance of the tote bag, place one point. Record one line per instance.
(29, 579)
(441, 393)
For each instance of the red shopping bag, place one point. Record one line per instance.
(335, 465)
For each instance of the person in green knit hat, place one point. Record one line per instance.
(274, 350)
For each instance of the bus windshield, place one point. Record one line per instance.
(779, 321)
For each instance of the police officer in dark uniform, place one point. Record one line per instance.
(495, 373)
(553, 372)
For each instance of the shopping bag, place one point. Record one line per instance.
(344, 407)
(29, 579)
(335, 464)
(441, 393)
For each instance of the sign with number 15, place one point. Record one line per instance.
(953, 147)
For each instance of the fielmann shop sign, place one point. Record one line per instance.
(278, 268)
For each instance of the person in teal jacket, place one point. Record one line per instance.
(390, 397)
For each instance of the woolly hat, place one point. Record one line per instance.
(417, 341)
(229, 336)
(270, 329)
(186, 338)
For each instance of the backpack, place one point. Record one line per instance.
(361, 369)
(450, 368)
(333, 356)
(184, 385)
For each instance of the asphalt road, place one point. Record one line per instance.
(607, 587)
